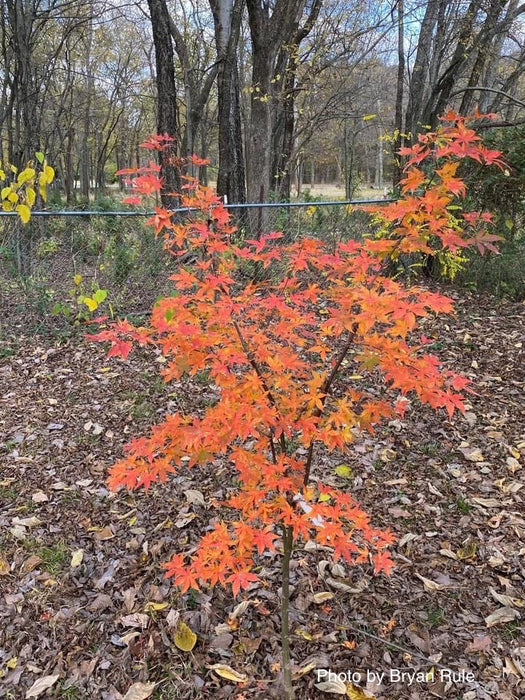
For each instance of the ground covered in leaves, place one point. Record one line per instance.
(85, 611)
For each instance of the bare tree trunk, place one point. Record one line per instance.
(419, 83)
(85, 169)
(167, 115)
(484, 51)
(227, 16)
(398, 121)
(269, 33)
(283, 126)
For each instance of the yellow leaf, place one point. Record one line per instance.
(4, 567)
(76, 559)
(304, 670)
(304, 634)
(90, 303)
(77, 279)
(25, 175)
(367, 117)
(323, 597)
(5, 192)
(49, 173)
(12, 197)
(324, 497)
(468, 551)
(24, 212)
(344, 471)
(184, 638)
(473, 454)
(229, 673)
(42, 183)
(152, 606)
(30, 196)
(13, 662)
(354, 692)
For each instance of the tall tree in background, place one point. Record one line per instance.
(283, 112)
(400, 84)
(167, 111)
(458, 48)
(270, 31)
(227, 17)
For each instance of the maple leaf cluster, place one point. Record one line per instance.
(428, 219)
(290, 355)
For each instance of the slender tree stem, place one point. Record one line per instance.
(325, 389)
(267, 390)
(285, 613)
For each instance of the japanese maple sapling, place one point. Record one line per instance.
(295, 357)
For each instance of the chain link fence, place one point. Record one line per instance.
(66, 267)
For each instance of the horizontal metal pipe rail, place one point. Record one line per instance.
(181, 210)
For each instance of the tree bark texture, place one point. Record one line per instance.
(167, 114)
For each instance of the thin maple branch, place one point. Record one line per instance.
(267, 390)
(325, 388)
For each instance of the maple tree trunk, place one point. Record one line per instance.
(285, 613)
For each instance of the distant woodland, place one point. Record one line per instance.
(277, 95)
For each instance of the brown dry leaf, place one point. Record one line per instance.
(41, 685)
(239, 609)
(229, 673)
(500, 616)
(514, 667)
(139, 691)
(39, 497)
(429, 585)
(195, 497)
(336, 686)
(409, 537)
(489, 502)
(32, 521)
(30, 563)
(507, 600)
(399, 512)
(135, 620)
(479, 643)
(184, 637)
(387, 455)
(105, 533)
